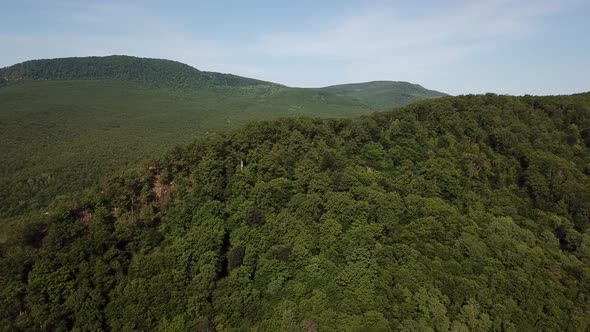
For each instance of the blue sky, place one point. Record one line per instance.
(509, 47)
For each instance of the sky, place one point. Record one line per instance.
(459, 47)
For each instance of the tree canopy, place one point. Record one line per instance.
(157, 73)
(465, 213)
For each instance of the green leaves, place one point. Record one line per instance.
(440, 216)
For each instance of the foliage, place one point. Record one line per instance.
(68, 122)
(60, 136)
(462, 213)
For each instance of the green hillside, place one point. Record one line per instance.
(457, 214)
(65, 123)
(384, 95)
(156, 73)
(61, 136)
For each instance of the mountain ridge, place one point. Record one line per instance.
(383, 94)
(163, 73)
(150, 71)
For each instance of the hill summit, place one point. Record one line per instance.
(384, 94)
(156, 73)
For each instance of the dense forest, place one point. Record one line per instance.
(62, 120)
(465, 213)
(157, 73)
(62, 136)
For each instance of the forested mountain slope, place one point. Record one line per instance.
(157, 73)
(59, 136)
(384, 95)
(67, 122)
(460, 213)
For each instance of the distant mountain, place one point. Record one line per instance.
(151, 72)
(160, 73)
(384, 94)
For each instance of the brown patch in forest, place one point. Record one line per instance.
(430, 154)
(561, 175)
(310, 326)
(160, 188)
(83, 215)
